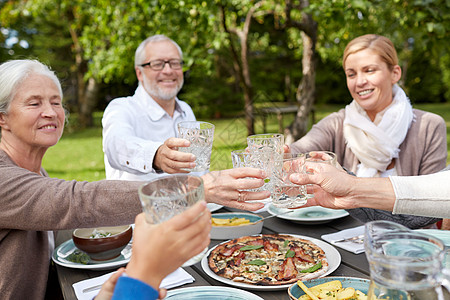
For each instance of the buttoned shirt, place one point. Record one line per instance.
(133, 129)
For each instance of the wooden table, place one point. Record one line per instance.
(354, 265)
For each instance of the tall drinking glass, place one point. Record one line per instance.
(245, 158)
(167, 196)
(326, 157)
(323, 157)
(266, 143)
(286, 194)
(201, 136)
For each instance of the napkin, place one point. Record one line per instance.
(266, 202)
(177, 278)
(345, 234)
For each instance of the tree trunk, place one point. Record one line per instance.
(87, 102)
(248, 87)
(307, 89)
(87, 91)
(241, 64)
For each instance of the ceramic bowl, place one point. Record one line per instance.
(102, 248)
(232, 232)
(361, 284)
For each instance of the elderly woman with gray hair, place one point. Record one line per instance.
(33, 204)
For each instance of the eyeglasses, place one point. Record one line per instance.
(158, 65)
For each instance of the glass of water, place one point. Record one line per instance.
(286, 194)
(266, 143)
(322, 157)
(167, 196)
(326, 157)
(245, 158)
(201, 136)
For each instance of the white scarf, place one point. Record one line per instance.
(376, 145)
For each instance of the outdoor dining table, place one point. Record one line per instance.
(352, 265)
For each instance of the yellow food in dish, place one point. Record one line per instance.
(331, 290)
(229, 222)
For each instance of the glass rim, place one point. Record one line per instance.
(210, 125)
(265, 135)
(297, 156)
(321, 151)
(165, 177)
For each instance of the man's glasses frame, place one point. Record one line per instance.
(159, 64)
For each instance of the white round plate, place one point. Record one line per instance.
(333, 257)
(309, 215)
(210, 293)
(66, 248)
(213, 206)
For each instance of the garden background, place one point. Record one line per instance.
(240, 56)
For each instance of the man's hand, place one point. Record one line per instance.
(170, 160)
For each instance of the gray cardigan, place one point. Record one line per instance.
(423, 151)
(31, 205)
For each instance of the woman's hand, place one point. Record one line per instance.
(331, 186)
(160, 249)
(226, 187)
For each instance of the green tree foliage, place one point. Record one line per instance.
(96, 40)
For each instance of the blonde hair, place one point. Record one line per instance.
(378, 43)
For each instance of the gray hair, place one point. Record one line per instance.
(139, 56)
(15, 72)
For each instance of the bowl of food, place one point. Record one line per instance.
(102, 243)
(334, 286)
(235, 224)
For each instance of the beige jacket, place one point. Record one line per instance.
(32, 204)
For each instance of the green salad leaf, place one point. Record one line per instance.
(290, 253)
(256, 262)
(250, 247)
(313, 268)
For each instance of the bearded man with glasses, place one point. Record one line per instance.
(139, 132)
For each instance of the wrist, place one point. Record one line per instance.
(155, 164)
(376, 193)
(145, 273)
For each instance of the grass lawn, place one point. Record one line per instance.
(79, 155)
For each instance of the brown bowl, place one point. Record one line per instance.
(102, 248)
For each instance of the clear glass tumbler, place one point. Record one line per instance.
(284, 193)
(201, 136)
(167, 196)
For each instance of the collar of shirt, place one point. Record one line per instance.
(157, 111)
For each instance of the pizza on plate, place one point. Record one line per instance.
(270, 259)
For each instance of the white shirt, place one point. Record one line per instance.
(133, 129)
